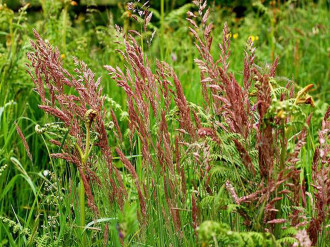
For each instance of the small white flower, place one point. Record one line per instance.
(46, 173)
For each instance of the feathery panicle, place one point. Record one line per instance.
(79, 108)
(321, 181)
(132, 171)
(26, 146)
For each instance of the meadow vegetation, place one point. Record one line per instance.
(165, 125)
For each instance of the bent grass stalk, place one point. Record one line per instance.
(89, 116)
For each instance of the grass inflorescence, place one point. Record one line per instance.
(184, 127)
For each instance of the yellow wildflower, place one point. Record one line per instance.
(253, 38)
(235, 35)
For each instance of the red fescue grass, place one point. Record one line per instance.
(152, 96)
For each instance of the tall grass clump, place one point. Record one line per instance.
(247, 164)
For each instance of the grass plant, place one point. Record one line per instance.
(186, 126)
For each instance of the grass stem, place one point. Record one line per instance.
(162, 10)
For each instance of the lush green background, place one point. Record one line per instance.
(295, 31)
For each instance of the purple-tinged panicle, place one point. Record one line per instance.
(303, 239)
(321, 181)
(26, 146)
(69, 98)
(132, 171)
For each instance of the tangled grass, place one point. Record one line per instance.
(246, 165)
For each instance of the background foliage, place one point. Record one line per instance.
(39, 195)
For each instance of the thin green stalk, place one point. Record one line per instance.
(87, 148)
(162, 3)
(283, 147)
(64, 24)
(139, 161)
(141, 39)
(282, 165)
(82, 203)
(84, 158)
(82, 208)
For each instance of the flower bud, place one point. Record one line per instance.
(38, 129)
(90, 116)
